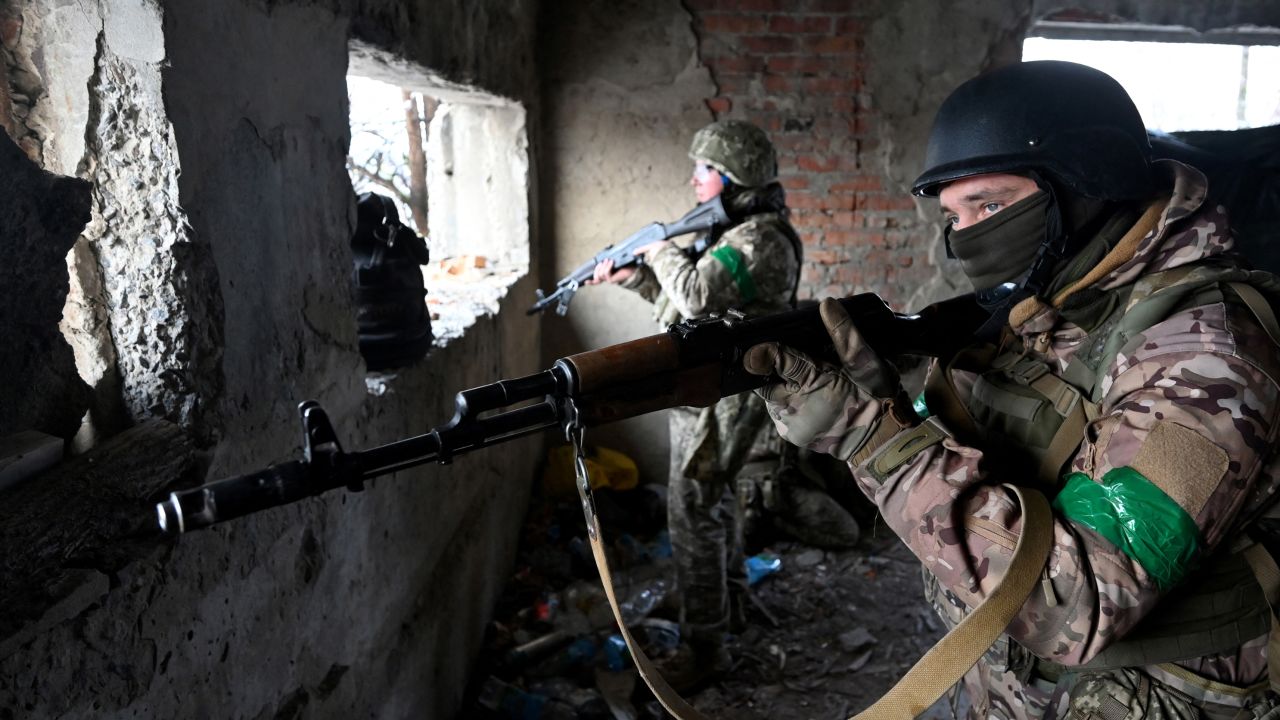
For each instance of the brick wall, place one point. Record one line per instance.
(796, 68)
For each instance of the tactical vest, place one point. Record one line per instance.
(1038, 420)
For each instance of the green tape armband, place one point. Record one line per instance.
(733, 261)
(1138, 518)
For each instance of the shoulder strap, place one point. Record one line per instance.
(958, 650)
(1260, 308)
(1267, 573)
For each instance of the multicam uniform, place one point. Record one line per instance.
(752, 266)
(1175, 465)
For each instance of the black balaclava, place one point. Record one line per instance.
(1016, 253)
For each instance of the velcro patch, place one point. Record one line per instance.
(1184, 464)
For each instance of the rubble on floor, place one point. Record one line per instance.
(827, 631)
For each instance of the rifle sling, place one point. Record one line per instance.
(939, 669)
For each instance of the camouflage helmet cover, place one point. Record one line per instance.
(738, 149)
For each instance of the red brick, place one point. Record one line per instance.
(824, 85)
(843, 237)
(835, 45)
(844, 218)
(844, 103)
(850, 26)
(777, 84)
(805, 200)
(809, 218)
(733, 23)
(880, 201)
(862, 183)
(764, 5)
(769, 44)
(801, 25)
(822, 257)
(795, 182)
(804, 64)
(736, 64)
(719, 105)
(817, 164)
(734, 84)
(833, 6)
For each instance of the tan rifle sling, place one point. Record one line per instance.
(939, 669)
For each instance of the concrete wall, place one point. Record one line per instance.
(215, 135)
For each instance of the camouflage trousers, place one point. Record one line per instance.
(1008, 683)
(708, 449)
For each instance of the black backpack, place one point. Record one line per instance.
(391, 310)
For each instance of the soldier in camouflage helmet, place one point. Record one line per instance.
(752, 265)
(738, 150)
(1129, 371)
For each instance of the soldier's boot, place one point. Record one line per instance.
(700, 659)
(811, 516)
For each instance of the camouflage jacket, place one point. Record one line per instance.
(752, 267)
(1204, 376)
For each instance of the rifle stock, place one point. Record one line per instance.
(693, 363)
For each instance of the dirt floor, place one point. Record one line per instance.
(826, 634)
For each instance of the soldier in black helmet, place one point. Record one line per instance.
(1128, 372)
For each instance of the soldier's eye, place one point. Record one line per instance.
(992, 207)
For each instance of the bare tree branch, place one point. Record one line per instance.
(380, 182)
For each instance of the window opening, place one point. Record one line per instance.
(1177, 85)
(455, 162)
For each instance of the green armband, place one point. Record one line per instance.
(733, 261)
(1138, 518)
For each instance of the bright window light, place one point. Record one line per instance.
(1182, 86)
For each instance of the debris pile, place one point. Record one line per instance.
(827, 632)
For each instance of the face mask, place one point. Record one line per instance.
(1001, 248)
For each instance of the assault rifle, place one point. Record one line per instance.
(702, 218)
(693, 363)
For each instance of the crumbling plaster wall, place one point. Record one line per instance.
(623, 92)
(369, 604)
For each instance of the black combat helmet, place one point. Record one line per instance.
(1070, 122)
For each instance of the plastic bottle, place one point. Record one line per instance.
(643, 601)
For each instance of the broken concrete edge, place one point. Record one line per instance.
(67, 532)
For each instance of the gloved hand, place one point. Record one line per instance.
(846, 412)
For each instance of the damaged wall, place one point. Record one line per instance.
(216, 293)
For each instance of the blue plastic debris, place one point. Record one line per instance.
(761, 566)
